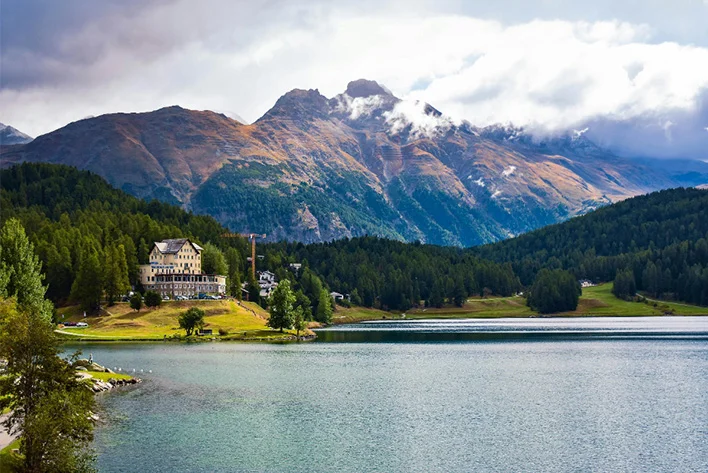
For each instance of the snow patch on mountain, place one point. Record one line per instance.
(508, 171)
(12, 136)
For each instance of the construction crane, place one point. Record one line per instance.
(252, 237)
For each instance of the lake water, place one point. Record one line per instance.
(575, 395)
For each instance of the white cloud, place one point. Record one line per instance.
(358, 106)
(422, 124)
(546, 75)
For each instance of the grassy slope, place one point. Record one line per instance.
(595, 301)
(120, 322)
(6, 457)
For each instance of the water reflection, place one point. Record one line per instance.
(517, 329)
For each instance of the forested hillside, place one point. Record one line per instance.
(86, 232)
(77, 222)
(660, 238)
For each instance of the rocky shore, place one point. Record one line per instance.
(85, 367)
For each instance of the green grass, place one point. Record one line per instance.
(107, 376)
(6, 457)
(119, 322)
(597, 301)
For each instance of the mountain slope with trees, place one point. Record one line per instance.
(656, 243)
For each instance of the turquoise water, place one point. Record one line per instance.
(603, 403)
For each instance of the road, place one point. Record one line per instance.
(5, 438)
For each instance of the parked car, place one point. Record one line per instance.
(165, 298)
(69, 324)
(81, 324)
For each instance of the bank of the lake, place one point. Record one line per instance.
(596, 301)
(604, 403)
(231, 320)
(226, 319)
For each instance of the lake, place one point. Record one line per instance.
(428, 396)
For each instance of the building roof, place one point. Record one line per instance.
(173, 245)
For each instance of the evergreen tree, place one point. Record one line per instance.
(299, 321)
(304, 303)
(23, 271)
(437, 297)
(554, 291)
(254, 289)
(115, 275)
(459, 293)
(624, 286)
(324, 308)
(87, 288)
(48, 405)
(233, 261)
(282, 302)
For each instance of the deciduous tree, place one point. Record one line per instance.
(282, 302)
(191, 320)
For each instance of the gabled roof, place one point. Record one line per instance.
(174, 245)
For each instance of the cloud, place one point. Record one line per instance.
(418, 118)
(490, 62)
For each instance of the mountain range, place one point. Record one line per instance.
(12, 136)
(363, 162)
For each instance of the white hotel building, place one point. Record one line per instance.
(175, 269)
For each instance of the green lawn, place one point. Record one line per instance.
(597, 301)
(119, 322)
(107, 376)
(6, 457)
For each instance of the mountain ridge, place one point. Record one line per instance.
(314, 168)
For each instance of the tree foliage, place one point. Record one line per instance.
(136, 302)
(554, 291)
(115, 273)
(213, 260)
(624, 287)
(191, 320)
(281, 306)
(49, 407)
(152, 299)
(324, 307)
(662, 237)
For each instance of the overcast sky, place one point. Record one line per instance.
(544, 64)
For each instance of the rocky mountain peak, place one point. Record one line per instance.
(366, 88)
(12, 136)
(299, 104)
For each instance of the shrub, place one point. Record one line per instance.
(223, 332)
(152, 299)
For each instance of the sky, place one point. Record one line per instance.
(634, 72)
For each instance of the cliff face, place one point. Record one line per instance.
(363, 162)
